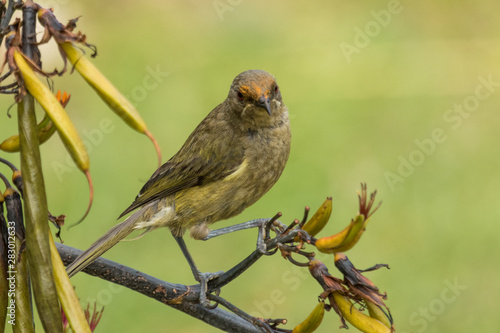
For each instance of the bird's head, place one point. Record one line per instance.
(256, 98)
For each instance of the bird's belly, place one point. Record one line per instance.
(226, 198)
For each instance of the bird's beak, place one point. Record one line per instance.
(265, 103)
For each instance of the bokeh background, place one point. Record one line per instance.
(402, 95)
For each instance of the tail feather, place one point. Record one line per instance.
(103, 244)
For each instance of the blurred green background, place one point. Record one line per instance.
(394, 94)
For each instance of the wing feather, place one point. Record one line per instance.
(197, 163)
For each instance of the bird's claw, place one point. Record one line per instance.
(261, 244)
(263, 236)
(203, 279)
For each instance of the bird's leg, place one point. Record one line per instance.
(262, 224)
(202, 278)
(237, 227)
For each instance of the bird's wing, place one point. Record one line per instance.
(197, 163)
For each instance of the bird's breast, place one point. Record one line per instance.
(265, 153)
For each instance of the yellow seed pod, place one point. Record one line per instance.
(57, 114)
(11, 144)
(44, 130)
(53, 108)
(320, 218)
(358, 319)
(354, 234)
(67, 296)
(107, 91)
(343, 240)
(376, 312)
(329, 243)
(313, 321)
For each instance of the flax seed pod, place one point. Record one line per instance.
(59, 117)
(108, 93)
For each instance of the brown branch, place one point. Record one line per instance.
(7, 15)
(180, 297)
(241, 267)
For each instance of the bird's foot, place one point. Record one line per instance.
(203, 279)
(264, 228)
(261, 242)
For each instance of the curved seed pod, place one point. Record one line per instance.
(376, 312)
(45, 132)
(319, 219)
(313, 321)
(45, 128)
(53, 108)
(66, 292)
(108, 93)
(354, 235)
(343, 240)
(328, 243)
(11, 144)
(63, 124)
(358, 319)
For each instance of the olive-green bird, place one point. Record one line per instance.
(234, 156)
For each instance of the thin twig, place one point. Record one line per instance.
(304, 219)
(240, 313)
(182, 297)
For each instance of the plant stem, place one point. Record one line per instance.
(35, 201)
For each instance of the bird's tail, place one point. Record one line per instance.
(103, 244)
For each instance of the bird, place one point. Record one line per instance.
(230, 160)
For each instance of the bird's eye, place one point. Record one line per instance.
(276, 89)
(239, 95)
